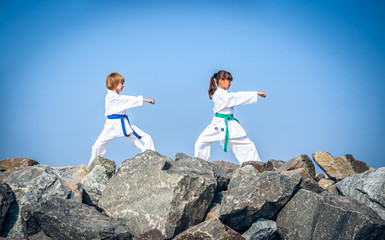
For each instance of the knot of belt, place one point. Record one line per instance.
(122, 117)
(227, 117)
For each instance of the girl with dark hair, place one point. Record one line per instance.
(225, 127)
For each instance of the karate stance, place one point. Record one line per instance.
(225, 127)
(117, 123)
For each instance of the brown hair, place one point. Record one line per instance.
(113, 80)
(221, 75)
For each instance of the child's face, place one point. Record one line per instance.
(120, 87)
(224, 84)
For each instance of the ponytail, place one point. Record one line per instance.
(218, 76)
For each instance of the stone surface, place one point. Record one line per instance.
(367, 188)
(33, 184)
(301, 161)
(273, 165)
(253, 195)
(65, 219)
(6, 200)
(319, 176)
(212, 229)
(333, 190)
(259, 166)
(325, 216)
(10, 163)
(339, 167)
(152, 191)
(94, 184)
(108, 164)
(228, 166)
(77, 172)
(325, 183)
(262, 229)
(307, 181)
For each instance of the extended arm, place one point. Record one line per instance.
(151, 101)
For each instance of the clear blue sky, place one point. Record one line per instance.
(321, 63)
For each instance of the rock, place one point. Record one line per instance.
(273, 165)
(333, 189)
(78, 172)
(319, 176)
(180, 156)
(6, 199)
(153, 234)
(33, 184)
(228, 166)
(213, 212)
(367, 188)
(212, 229)
(339, 167)
(262, 229)
(10, 163)
(301, 161)
(325, 183)
(94, 184)
(325, 216)
(64, 219)
(109, 165)
(259, 166)
(152, 191)
(253, 195)
(307, 182)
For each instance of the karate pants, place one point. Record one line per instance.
(243, 148)
(99, 148)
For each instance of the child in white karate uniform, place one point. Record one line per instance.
(117, 123)
(224, 127)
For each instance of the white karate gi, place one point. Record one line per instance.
(224, 103)
(117, 104)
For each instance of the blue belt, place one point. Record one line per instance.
(122, 117)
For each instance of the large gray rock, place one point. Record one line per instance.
(77, 172)
(94, 184)
(33, 184)
(229, 167)
(6, 199)
(339, 167)
(258, 165)
(253, 195)
(10, 163)
(211, 229)
(367, 188)
(262, 229)
(301, 161)
(273, 165)
(64, 219)
(152, 191)
(326, 216)
(108, 164)
(307, 182)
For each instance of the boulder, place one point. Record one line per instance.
(367, 188)
(94, 184)
(10, 163)
(64, 219)
(253, 195)
(108, 164)
(333, 189)
(229, 167)
(6, 200)
(259, 166)
(273, 165)
(180, 156)
(319, 176)
(309, 215)
(325, 183)
(211, 229)
(339, 167)
(262, 229)
(77, 172)
(151, 191)
(307, 181)
(33, 184)
(301, 161)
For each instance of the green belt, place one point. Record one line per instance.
(226, 117)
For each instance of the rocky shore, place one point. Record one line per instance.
(154, 197)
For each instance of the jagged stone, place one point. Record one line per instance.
(301, 161)
(333, 190)
(213, 212)
(228, 166)
(307, 181)
(33, 184)
(319, 176)
(212, 229)
(259, 166)
(253, 195)
(94, 184)
(262, 229)
(65, 219)
(108, 164)
(325, 183)
(77, 172)
(273, 165)
(339, 167)
(326, 216)
(10, 163)
(6, 200)
(367, 188)
(180, 156)
(152, 191)
(153, 234)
